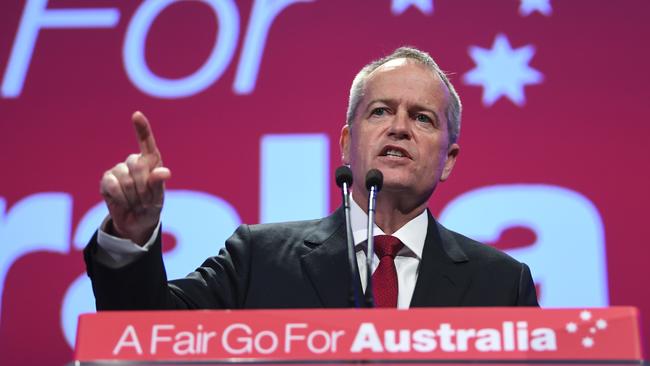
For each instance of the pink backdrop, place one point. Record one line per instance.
(556, 113)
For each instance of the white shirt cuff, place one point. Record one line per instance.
(118, 252)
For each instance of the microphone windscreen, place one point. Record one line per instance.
(343, 174)
(374, 178)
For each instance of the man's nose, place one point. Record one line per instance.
(400, 127)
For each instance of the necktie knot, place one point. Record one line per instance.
(387, 245)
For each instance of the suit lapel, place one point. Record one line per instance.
(326, 265)
(441, 279)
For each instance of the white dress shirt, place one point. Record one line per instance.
(118, 252)
(407, 261)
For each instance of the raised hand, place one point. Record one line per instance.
(134, 190)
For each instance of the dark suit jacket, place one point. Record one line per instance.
(304, 265)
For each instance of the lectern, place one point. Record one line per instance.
(353, 336)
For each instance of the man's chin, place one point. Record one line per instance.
(404, 184)
(394, 184)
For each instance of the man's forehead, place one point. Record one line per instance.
(401, 64)
(395, 63)
(415, 75)
(392, 65)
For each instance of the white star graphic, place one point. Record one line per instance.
(601, 324)
(502, 71)
(526, 7)
(587, 342)
(585, 315)
(571, 327)
(400, 6)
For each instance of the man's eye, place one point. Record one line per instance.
(379, 111)
(423, 118)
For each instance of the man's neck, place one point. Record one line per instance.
(392, 211)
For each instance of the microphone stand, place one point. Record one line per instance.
(370, 255)
(374, 182)
(354, 297)
(344, 180)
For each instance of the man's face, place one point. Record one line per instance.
(400, 128)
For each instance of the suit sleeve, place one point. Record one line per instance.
(527, 293)
(220, 282)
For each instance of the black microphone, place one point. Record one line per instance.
(344, 181)
(374, 181)
(343, 176)
(374, 178)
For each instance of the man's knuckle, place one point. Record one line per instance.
(120, 169)
(132, 162)
(128, 182)
(106, 177)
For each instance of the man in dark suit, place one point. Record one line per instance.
(403, 119)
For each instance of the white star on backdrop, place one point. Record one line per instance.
(400, 6)
(526, 7)
(585, 315)
(601, 324)
(571, 327)
(587, 342)
(502, 71)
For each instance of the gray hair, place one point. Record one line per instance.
(454, 108)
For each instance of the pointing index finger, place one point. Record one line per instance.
(145, 135)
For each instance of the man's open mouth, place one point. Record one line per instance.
(394, 151)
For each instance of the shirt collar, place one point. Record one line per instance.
(412, 234)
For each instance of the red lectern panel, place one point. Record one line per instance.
(609, 335)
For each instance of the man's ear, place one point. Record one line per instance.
(452, 154)
(344, 143)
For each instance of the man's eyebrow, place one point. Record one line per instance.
(388, 102)
(381, 100)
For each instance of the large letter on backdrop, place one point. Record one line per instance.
(150, 83)
(262, 16)
(35, 17)
(295, 188)
(40, 222)
(568, 259)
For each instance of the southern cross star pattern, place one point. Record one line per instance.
(587, 327)
(502, 71)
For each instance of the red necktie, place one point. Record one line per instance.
(384, 279)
